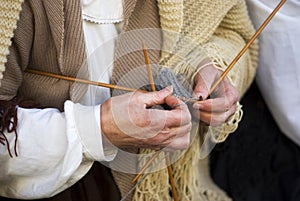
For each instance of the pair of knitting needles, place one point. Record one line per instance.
(111, 86)
(228, 69)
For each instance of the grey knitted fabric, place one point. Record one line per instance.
(165, 77)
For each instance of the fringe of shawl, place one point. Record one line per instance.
(191, 175)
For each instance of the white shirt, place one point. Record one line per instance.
(279, 64)
(57, 149)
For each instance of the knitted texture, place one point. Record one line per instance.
(217, 33)
(9, 15)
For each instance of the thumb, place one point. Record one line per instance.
(158, 97)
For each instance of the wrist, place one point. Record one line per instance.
(105, 119)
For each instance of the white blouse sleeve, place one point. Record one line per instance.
(54, 150)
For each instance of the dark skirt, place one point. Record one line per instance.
(97, 185)
(258, 162)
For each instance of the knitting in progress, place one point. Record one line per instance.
(165, 77)
(220, 30)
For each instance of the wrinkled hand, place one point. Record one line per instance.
(222, 103)
(128, 120)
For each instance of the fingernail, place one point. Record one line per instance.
(197, 95)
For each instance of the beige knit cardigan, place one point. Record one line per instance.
(220, 28)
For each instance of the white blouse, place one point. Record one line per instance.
(57, 149)
(278, 74)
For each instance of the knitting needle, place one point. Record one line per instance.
(146, 166)
(100, 84)
(82, 81)
(240, 54)
(171, 178)
(147, 61)
(170, 172)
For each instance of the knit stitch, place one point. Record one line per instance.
(9, 15)
(216, 33)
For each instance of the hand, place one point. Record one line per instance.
(128, 120)
(222, 103)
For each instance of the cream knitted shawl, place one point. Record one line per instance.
(221, 32)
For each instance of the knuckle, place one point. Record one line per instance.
(156, 97)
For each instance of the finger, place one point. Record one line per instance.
(173, 101)
(215, 119)
(204, 80)
(215, 105)
(167, 136)
(180, 143)
(178, 117)
(157, 97)
(177, 131)
(219, 104)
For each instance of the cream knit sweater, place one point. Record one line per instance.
(9, 15)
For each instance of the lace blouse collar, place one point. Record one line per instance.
(102, 11)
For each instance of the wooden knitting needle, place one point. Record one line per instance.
(147, 61)
(146, 166)
(240, 54)
(170, 172)
(100, 84)
(82, 81)
(171, 178)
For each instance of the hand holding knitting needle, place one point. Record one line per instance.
(129, 121)
(221, 104)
